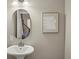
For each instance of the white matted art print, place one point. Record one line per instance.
(50, 22)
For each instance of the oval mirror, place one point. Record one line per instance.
(22, 23)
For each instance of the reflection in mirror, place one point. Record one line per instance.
(22, 24)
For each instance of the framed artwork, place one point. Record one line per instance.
(49, 22)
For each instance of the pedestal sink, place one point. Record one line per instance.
(20, 52)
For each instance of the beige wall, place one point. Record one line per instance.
(47, 46)
(68, 29)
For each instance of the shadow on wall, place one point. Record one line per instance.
(10, 57)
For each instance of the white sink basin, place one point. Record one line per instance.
(20, 52)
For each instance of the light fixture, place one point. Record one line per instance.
(14, 3)
(20, 3)
(26, 3)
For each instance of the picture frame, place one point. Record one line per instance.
(49, 22)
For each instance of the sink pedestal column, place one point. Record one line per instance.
(20, 57)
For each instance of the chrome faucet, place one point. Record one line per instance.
(20, 43)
